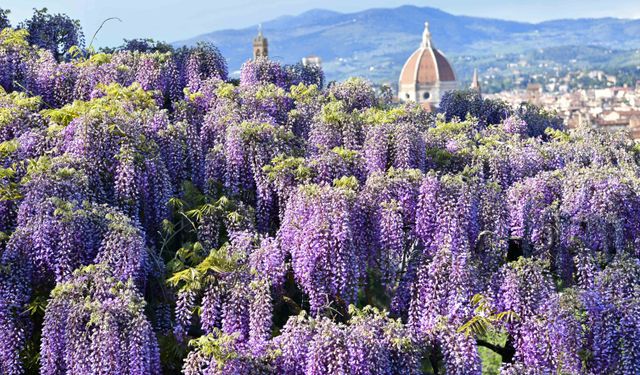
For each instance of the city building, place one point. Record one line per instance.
(260, 45)
(611, 109)
(426, 75)
(312, 60)
(534, 91)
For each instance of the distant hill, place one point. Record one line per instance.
(374, 43)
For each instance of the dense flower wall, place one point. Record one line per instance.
(157, 217)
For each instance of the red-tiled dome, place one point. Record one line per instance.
(426, 65)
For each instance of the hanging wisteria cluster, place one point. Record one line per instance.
(95, 323)
(159, 217)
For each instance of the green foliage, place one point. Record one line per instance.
(557, 135)
(15, 106)
(253, 133)
(346, 154)
(226, 91)
(54, 167)
(218, 346)
(192, 264)
(283, 165)
(377, 116)
(492, 361)
(37, 306)
(334, 113)
(99, 59)
(414, 175)
(349, 183)
(14, 39)
(451, 129)
(307, 94)
(216, 262)
(485, 319)
(9, 189)
(440, 157)
(108, 105)
(269, 91)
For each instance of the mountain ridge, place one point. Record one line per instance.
(375, 42)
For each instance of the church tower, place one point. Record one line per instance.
(260, 45)
(475, 82)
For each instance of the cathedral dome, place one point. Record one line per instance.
(426, 75)
(426, 65)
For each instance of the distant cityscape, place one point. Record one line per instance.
(559, 80)
(582, 97)
(585, 70)
(600, 102)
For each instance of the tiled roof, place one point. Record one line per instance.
(426, 66)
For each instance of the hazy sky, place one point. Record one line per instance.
(172, 20)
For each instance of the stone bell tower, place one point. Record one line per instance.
(260, 45)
